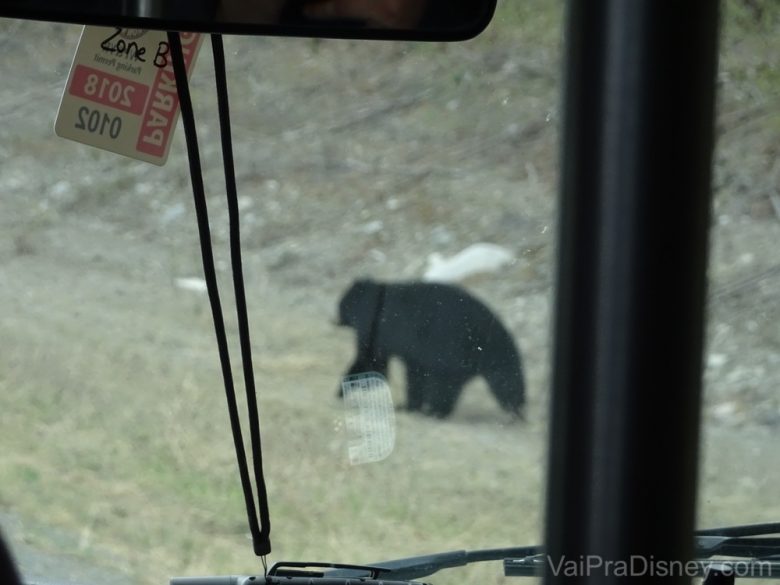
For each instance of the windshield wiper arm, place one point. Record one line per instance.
(732, 542)
(747, 542)
(753, 548)
(412, 568)
(743, 530)
(395, 571)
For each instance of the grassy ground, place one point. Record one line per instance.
(352, 160)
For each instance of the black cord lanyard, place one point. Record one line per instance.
(259, 528)
(372, 334)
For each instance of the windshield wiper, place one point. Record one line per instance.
(734, 541)
(742, 530)
(387, 572)
(412, 568)
(752, 545)
(749, 541)
(750, 551)
(743, 547)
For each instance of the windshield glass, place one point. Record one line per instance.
(367, 172)
(378, 161)
(740, 471)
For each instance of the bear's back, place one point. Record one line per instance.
(436, 318)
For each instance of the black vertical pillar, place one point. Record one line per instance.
(635, 199)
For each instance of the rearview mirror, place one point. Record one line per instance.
(434, 20)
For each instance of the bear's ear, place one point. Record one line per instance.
(349, 303)
(358, 305)
(361, 288)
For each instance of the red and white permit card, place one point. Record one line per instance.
(121, 92)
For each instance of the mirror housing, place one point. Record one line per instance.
(425, 20)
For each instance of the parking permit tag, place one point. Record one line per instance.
(121, 92)
(370, 418)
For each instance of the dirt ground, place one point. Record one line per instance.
(352, 160)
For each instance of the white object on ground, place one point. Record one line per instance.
(477, 258)
(193, 284)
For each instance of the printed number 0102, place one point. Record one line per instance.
(97, 122)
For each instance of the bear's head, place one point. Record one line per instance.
(357, 308)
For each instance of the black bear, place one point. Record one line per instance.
(444, 336)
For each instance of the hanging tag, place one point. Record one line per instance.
(121, 92)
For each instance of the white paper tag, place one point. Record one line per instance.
(370, 417)
(121, 92)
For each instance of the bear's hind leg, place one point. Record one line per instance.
(442, 394)
(416, 382)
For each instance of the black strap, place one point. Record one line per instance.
(380, 304)
(260, 539)
(263, 543)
